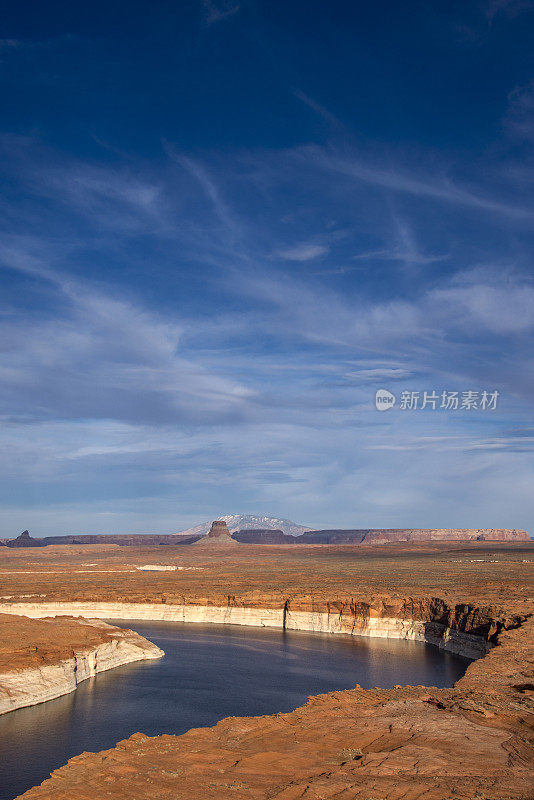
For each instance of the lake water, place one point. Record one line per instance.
(208, 672)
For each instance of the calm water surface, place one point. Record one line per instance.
(208, 672)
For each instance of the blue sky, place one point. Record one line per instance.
(225, 225)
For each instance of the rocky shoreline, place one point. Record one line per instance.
(41, 669)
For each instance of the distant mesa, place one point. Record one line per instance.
(379, 536)
(124, 540)
(386, 535)
(218, 536)
(265, 536)
(219, 530)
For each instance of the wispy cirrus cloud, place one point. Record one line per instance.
(438, 187)
(511, 8)
(319, 109)
(209, 188)
(405, 249)
(10, 44)
(217, 12)
(102, 356)
(519, 120)
(303, 252)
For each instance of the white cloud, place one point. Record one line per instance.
(303, 252)
(506, 309)
(107, 357)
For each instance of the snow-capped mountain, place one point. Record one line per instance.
(237, 522)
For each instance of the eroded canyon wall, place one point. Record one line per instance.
(461, 629)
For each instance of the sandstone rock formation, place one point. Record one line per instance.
(43, 659)
(386, 535)
(219, 529)
(264, 536)
(218, 536)
(25, 540)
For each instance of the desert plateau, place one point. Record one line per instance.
(472, 740)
